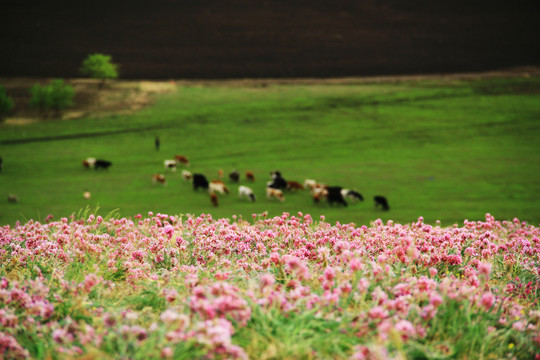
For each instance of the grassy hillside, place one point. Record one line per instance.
(442, 150)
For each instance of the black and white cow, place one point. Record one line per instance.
(170, 165)
(334, 195)
(278, 182)
(353, 195)
(246, 192)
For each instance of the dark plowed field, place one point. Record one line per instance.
(280, 38)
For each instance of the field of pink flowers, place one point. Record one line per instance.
(287, 287)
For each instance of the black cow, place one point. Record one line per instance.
(335, 195)
(102, 164)
(234, 175)
(278, 182)
(1, 161)
(382, 202)
(200, 181)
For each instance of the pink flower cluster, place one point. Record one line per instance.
(220, 300)
(385, 283)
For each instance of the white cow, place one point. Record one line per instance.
(170, 165)
(310, 184)
(186, 175)
(89, 163)
(246, 192)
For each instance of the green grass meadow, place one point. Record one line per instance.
(444, 150)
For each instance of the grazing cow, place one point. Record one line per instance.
(278, 182)
(181, 159)
(334, 195)
(250, 176)
(220, 173)
(186, 175)
(159, 178)
(87, 195)
(170, 165)
(274, 193)
(314, 186)
(102, 164)
(294, 185)
(275, 174)
(12, 198)
(89, 162)
(234, 175)
(382, 202)
(310, 183)
(200, 181)
(218, 186)
(246, 192)
(319, 193)
(353, 195)
(214, 199)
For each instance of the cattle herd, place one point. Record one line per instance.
(276, 186)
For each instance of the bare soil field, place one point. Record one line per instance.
(269, 39)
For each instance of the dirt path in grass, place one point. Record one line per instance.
(514, 72)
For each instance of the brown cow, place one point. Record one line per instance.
(294, 185)
(250, 176)
(181, 159)
(159, 178)
(214, 199)
(319, 193)
(218, 186)
(274, 193)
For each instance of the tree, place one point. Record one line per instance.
(54, 96)
(99, 66)
(6, 103)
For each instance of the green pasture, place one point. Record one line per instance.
(444, 150)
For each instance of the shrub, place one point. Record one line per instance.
(55, 96)
(6, 103)
(99, 66)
